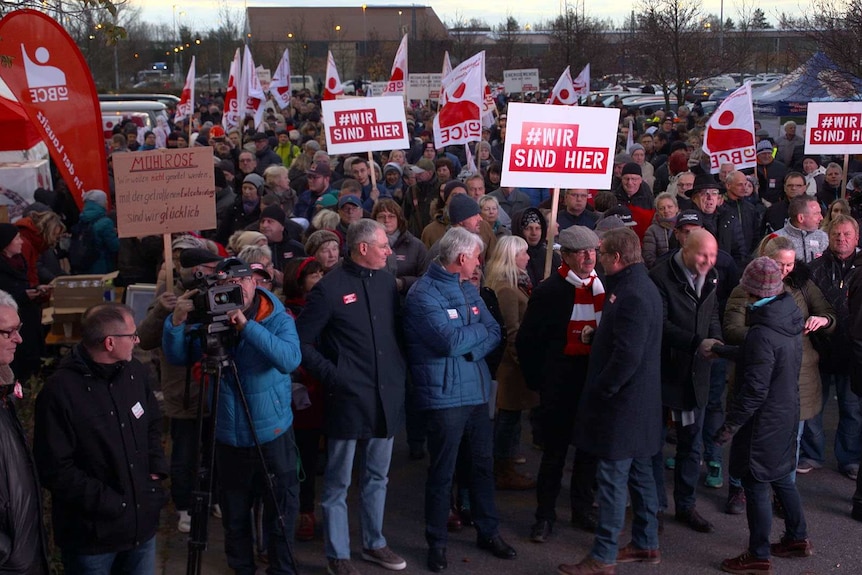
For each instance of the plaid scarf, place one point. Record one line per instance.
(586, 310)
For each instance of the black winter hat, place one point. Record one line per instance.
(7, 234)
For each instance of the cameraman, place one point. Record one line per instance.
(265, 349)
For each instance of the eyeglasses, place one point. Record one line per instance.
(8, 333)
(131, 335)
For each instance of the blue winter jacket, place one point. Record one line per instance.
(267, 353)
(107, 244)
(449, 331)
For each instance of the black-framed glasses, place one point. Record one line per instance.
(8, 333)
(131, 335)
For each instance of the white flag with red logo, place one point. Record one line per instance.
(447, 69)
(461, 99)
(398, 77)
(729, 135)
(279, 87)
(255, 99)
(582, 82)
(333, 82)
(563, 93)
(186, 105)
(231, 118)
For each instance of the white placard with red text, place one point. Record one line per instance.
(559, 147)
(834, 128)
(365, 124)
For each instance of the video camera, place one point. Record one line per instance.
(213, 300)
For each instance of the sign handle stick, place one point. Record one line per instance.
(371, 169)
(844, 177)
(169, 263)
(549, 256)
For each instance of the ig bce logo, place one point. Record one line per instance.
(47, 83)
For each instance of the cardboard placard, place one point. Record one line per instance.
(365, 124)
(559, 146)
(424, 86)
(165, 191)
(833, 128)
(517, 81)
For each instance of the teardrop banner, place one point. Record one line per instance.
(50, 78)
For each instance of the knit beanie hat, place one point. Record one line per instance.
(7, 234)
(635, 147)
(255, 181)
(632, 168)
(274, 212)
(461, 208)
(762, 278)
(97, 197)
(451, 185)
(316, 240)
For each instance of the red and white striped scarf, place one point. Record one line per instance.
(586, 310)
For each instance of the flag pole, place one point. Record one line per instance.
(844, 177)
(549, 256)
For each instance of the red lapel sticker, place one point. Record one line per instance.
(349, 298)
(475, 310)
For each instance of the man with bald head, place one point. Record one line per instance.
(687, 283)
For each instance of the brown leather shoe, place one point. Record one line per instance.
(747, 564)
(792, 548)
(694, 520)
(507, 478)
(631, 554)
(589, 566)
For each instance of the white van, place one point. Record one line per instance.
(143, 113)
(296, 83)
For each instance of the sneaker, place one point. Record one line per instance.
(384, 557)
(714, 478)
(216, 510)
(735, 501)
(340, 567)
(540, 531)
(306, 528)
(670, 463)
(805, 466)
(792, 548)
(184, 525)
(747, 564)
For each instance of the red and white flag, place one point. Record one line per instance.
(398, 78)
(231, 118)
(729, 135)
(279, 88)
(461, 101)
(630, 134)
(447, 65)
(582, 82)
(255, 99)
(186, 105)
(333, 88)
(563, 93)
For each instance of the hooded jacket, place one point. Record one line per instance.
(105, 240)
(98, 438)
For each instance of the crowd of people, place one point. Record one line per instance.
(408, 292)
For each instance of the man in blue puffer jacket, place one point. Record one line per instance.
(266, 353)
(449, 331)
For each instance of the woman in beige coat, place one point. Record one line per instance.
(507, 276)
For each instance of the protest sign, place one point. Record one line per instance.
(423, 86)
(518, 81)
(834, 128)
(365, 124)
(559, 146)
(164, 191)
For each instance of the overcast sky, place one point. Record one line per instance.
(201, 15)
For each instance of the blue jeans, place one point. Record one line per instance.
(241, 481)
(758, 495)
(374, 457)
(140, 560)
(446, 427)
(714, 416)
(689, 444)
(613, 477)
(507, 433)
(848, 436)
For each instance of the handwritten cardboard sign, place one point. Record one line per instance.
(164, 191)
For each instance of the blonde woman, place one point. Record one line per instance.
(507, 277)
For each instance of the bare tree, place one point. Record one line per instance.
(505, 54)
(835, 27)
(426, 51)
(465, 36)
(576, 39)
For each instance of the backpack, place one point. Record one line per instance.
(82, 247)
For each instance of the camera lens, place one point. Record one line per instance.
(221, 298)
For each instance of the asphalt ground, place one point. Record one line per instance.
(826, 496)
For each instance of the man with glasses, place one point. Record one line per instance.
(265, 350)
(576, 212)
(721, 222)
(98, 450)
(350, 343)
(22, 531)
(553, 349)
(776, 215)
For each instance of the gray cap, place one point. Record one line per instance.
(609, 223)
(576, 238)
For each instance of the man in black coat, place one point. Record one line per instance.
(687, 283)
(98, 450)
(736, 206)
(619, 415)
(22, 535)
(348, 333)
(553, 353)
(720, 221)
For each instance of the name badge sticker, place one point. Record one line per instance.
(453, 313)
(137, 410)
